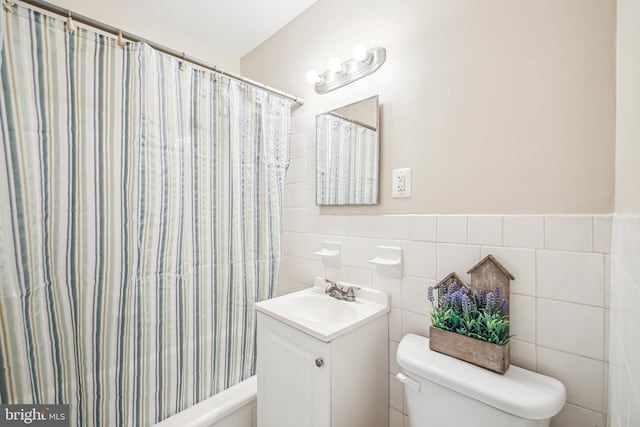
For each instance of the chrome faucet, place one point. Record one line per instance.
(342, 293)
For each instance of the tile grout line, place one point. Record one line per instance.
(569, 302)
(570, 353)
(467, 230)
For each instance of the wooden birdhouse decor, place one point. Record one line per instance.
(490, 274)
(452, 277)
(470, 322)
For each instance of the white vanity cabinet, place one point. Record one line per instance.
(336, 380)
(292, 390)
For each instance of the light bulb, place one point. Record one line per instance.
(313, 77)
(360, 53)
(334, 65)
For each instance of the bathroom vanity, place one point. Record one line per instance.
(323, 362)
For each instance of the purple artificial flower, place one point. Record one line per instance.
(430, 294)
(504, 305)
(445, 299)
(453, 286)
(456, 298)
(480, 298)
(490, 303)
(466, 304)
(497, 294)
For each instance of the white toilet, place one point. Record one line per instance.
(441, 391)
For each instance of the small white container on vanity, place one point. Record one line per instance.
(323, 362)
(443, 391)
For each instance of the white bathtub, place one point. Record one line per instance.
(233, 407)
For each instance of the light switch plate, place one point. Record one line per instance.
(401, 183)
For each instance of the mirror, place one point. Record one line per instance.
(347, 149)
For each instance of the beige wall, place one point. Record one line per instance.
(119, 16)
(628, 108)
(498, 106)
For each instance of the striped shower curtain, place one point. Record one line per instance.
(140, 219)
(347, 162)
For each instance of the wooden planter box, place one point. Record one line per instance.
(487, 355)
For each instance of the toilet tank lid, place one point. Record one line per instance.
(519, 392)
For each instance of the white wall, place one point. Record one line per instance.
(624, 380)
(498, 106)
(119, 16)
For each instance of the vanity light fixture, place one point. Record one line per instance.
(363, 62)
(335, 65)
(313, 77)
(360, 53)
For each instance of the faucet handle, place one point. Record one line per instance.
(332, 286)
(351, 292)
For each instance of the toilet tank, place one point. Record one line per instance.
(443, 391)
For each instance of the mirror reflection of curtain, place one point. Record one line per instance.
(347, 162)
(140, 219)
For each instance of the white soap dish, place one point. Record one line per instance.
(384, 261)
(388, 260)
(330, 253)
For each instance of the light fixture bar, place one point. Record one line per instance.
(352, 70)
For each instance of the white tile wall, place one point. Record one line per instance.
(559, 272)
(358, 225)
(423, 227)
(359, 251)
(391, 285)
(624, 345)
(602, 234)
(420, 259)
(485, 230)
(559, 296)
(583, 377)
(414, 296)
(572, 233)
(523, 354)
(415, 323)
(524, 231)
(390, 226)
(458, 258)
(522, 314)
(571, 327)
(576, 416)
(452, 229)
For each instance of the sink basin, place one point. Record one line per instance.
(321, 308)
(323, 317)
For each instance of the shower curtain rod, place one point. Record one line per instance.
(52, 8)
